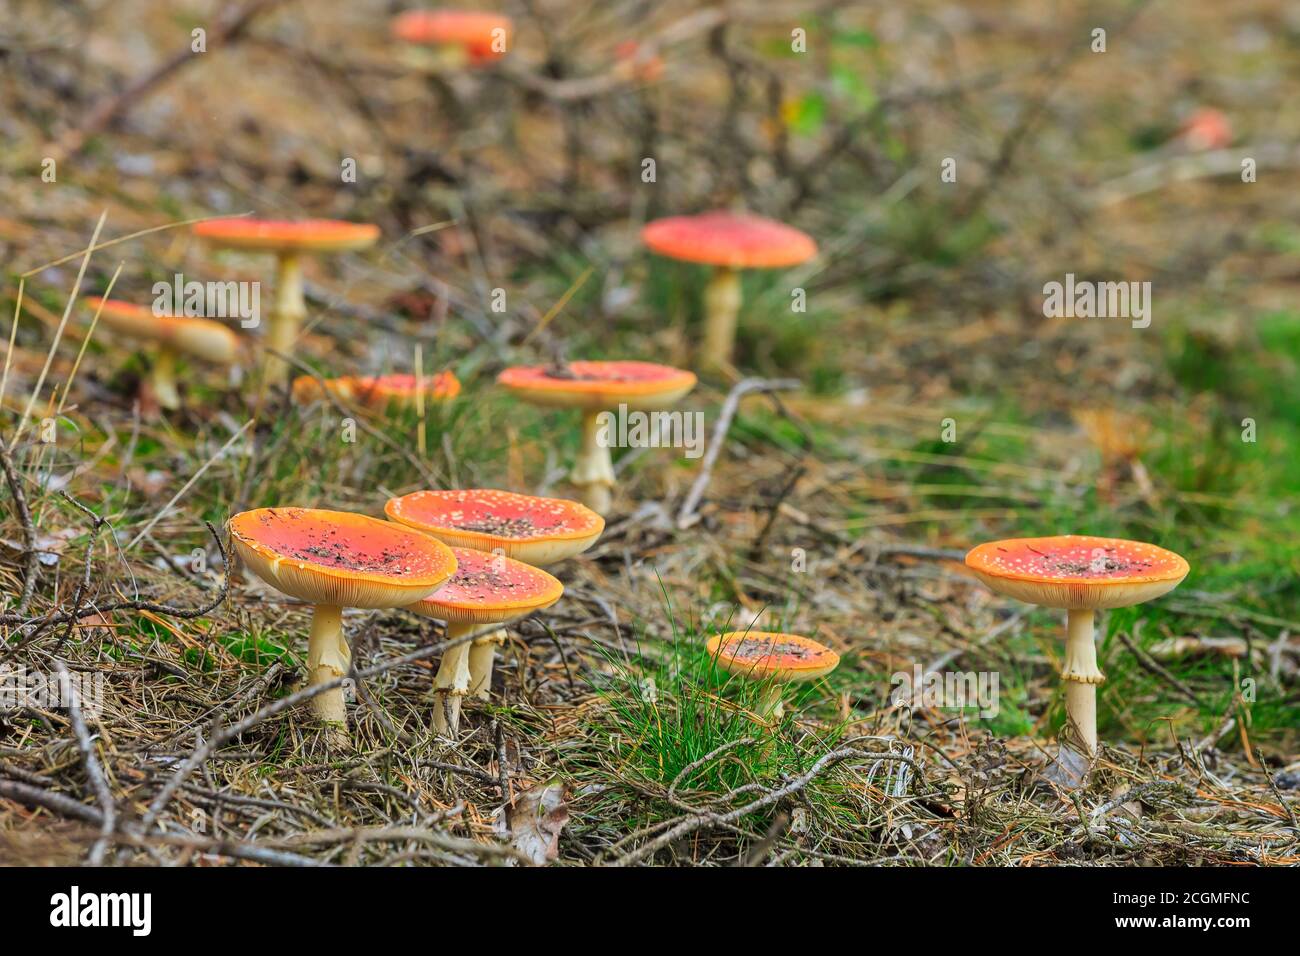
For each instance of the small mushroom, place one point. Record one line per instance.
(172, 336)
(637, 63)
(1080, 574)
(290, 241)
(536, 531)
(333, 560)
(461, 37)
(595, 387)
(379, 392)
(729, 242)
(773, 658)
(486, 589)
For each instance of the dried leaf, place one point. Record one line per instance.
(535, 820)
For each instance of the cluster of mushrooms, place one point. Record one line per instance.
(470, 558)
(475, 559)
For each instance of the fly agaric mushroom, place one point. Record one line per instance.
(633, 63)
(379, 392)
(729, 242)
(536, 531)
(774, 658)
(333, 560)
(486, 589)
(1082, 575)
(173, 335)
(1207, 128)
(290, 241)
(595, 387)
(461, 36)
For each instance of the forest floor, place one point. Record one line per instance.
(932, 407)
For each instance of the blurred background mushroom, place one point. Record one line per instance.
(380, 392)
(170, 336)
(458, 37)
(289, 242)
(730, 242)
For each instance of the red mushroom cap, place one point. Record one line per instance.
(307, 235)
(634, 64)
(537, 531)
(1077, 572)
(771, 655)
(379, 391)
(735, 240)
(1207, 128)
(340, 558)
(472, 30)
(599, 385)
(489, 589)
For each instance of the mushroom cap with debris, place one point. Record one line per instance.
(340, 558)
(538, 531)
(599, 385)
(761, 655)
(1077, 572)
(489, 589)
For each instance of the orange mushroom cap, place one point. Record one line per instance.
(1077, 572)
(632, 63)
(340, 558)
(489, 589)
(734, 240)
(772, 655)
(537, 531)
(379, 391)
(274, 235)
(599, 385)
(193, 335)
(1207, 128)
(472, 30)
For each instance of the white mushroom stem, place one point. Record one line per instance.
(771, 702)
(482, 656)
(452, 681)
(593, 471)
(722, 299)
(163, 379)
(1082, 676)
(286, 320)
(328, 658)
